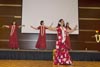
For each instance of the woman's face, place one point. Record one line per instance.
(14, 23)
(43, 23)
(62, 22)
(67, 24)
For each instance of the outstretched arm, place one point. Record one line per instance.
(51, 28)
(70, 31)
(7, 26)
(21, 26)
(34, 28)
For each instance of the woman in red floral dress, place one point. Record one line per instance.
(61, 54)
(13, 39)
(41, 42)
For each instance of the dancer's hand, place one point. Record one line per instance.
(75, 28)
(51, 24)
(23, 25)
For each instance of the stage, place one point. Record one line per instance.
(77, 55)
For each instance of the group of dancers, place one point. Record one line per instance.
(61, 53)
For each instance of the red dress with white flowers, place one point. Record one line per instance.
(61, 54)
(41, 43)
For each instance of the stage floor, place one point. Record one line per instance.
(42, 63)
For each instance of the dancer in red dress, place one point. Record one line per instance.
(41, 42)
(61, 54)
(67, 41)
(13, 39)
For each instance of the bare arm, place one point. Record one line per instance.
(7, 26)
(34, 28)
(70, 31)
(51, 28)
(21, 26)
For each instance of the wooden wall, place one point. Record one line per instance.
(89, 21)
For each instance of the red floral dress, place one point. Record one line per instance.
(41, 43)
(13, 40)
(61, 54)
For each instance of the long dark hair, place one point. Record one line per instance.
(67, 26)
(41, 22)
(13, 22)
(60, 22)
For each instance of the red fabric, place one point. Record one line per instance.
(13, 40)
(41, 42)
(67, 42)
(61, 54)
